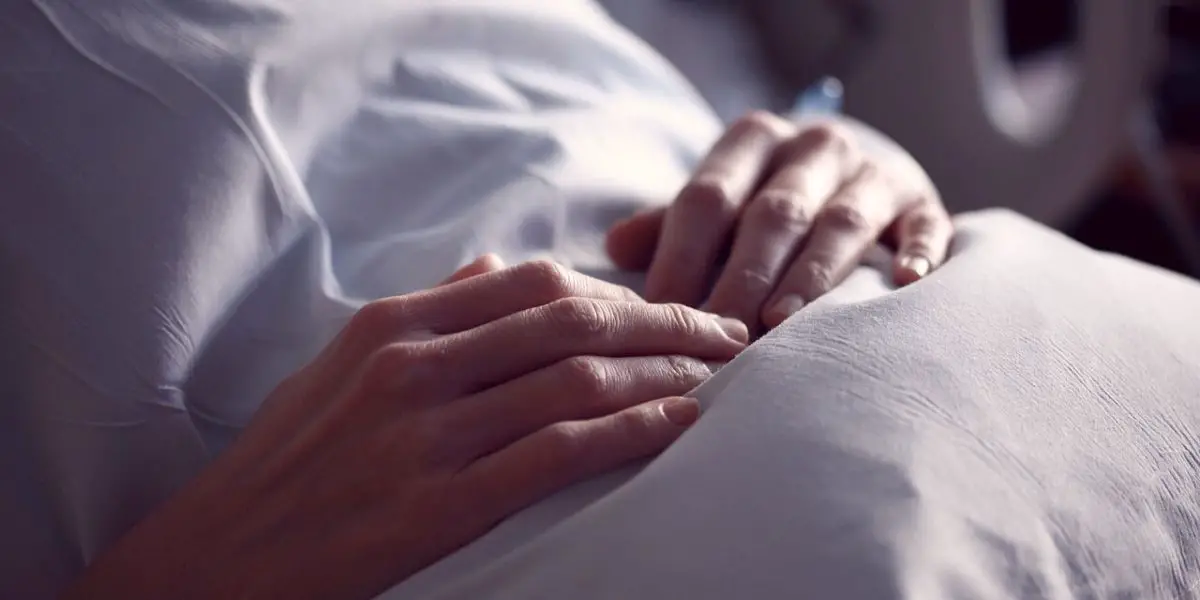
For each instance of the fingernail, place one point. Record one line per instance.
(733, 329)
(919, 265)
(680, 411)
(787, 306)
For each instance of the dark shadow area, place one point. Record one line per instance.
(1122, 219)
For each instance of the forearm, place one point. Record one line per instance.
(218, 537)
(190, 547)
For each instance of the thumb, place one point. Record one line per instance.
(484, 264)
(631, 242)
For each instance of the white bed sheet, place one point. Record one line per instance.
(196, 196)
(711, 45)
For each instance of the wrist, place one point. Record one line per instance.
(193, 546)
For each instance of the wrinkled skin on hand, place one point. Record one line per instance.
(428, 420)
(794, 206)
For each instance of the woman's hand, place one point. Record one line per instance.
(799, 204)
(429, 419)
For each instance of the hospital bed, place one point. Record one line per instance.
(1023, 423)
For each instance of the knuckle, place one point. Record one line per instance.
(758, 121)
(828, 135)
(778, 209)
(578, 316)
(706, 195)
(546, 280)
(684, 320)
(751, 282)
(395, 356)
(633, 424)
(387, 367)
(565, 444)
(686, 372)
(587, 375)
(815, 280)
(832, 137)
(845, 216)
(376, 316)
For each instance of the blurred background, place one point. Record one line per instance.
(1121, 216)
(1082, 114)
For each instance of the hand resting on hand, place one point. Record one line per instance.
(429, 419)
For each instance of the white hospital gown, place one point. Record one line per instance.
(196, 195)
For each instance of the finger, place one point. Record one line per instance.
(923, 233)
(812, 166)
(569, 452)
(466, 304)
(630, 243)
(701, 217)
(582, 387)
(847, 226)
(530, 340)
(485, 298)
(484, 264)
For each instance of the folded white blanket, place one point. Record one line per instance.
(196, 195)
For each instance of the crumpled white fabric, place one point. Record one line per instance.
(196, 195)
(713, 46)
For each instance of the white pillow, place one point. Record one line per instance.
(1025, 423)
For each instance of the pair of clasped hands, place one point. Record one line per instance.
(435, 415)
